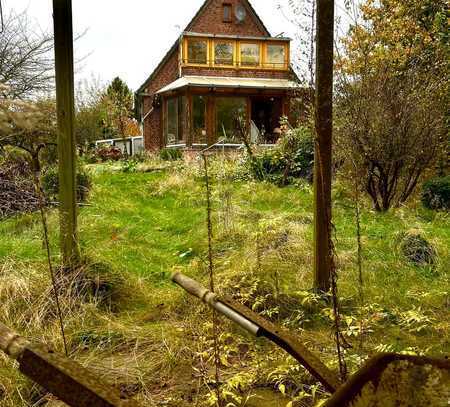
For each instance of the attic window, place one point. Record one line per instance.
(227, 12)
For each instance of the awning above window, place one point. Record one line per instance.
(225, 82)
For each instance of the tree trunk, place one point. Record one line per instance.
(323, 151)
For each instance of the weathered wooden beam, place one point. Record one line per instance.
(258, 326)
(64, 378)
(63, 31)
(323, 150)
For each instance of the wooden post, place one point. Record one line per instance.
(323, 151)
(62, 18)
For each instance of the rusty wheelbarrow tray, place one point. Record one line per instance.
(386, 380)
(64, 378)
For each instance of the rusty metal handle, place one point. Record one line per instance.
(197, 290)
(192, 287)
(259, 326)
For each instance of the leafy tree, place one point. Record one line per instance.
(405, 35)
(391, 100)
(90, 113)
(119, 107)
(103, 112)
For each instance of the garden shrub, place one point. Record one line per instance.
(171, 154)
(418, 250)
(109, 153)
(50, 184)
(436, 193)
(129, 165)
(292, 158)
(17, 189)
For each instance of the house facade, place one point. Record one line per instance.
(225, 73)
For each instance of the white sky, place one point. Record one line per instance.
(128, 38)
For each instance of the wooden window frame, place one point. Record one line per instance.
(267, 64)
(237, 59)
(186, 51)
(180, 120)
(191, 124)
(213, 59)
(230, 20)
(239, 54)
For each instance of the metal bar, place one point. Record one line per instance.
(237, 318)
(290, 344)
(69, 381)
(259, 326)
(208, 297)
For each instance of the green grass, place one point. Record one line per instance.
(145, 225)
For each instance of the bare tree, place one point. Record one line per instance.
(302, 15)
(26, 60)
(29, 126)
(393, 129)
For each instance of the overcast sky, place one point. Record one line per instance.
(129, 38)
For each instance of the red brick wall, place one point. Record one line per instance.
(238, 73)
(153, 127)
(211, 21)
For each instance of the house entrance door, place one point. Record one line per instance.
(266, 113)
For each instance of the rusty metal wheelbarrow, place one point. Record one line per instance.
(386, 380)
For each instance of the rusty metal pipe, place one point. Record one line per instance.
(208, 297)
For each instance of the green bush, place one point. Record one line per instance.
(50, 184)
(171, 154)
(436, 193)
(292, 158)
(129, 165)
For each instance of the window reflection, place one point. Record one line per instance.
(197, 51)
(250, 54)
(231, 113)
(276, 55)
(223, 53)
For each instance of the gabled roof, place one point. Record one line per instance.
(247, 3)
(188, 28)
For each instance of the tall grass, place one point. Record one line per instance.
(150, 340)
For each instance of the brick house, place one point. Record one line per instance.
(224, 66)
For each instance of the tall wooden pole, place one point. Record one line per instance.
(323, 151)
(62, 19)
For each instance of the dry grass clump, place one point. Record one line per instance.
(91, 301)
(137, 350)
